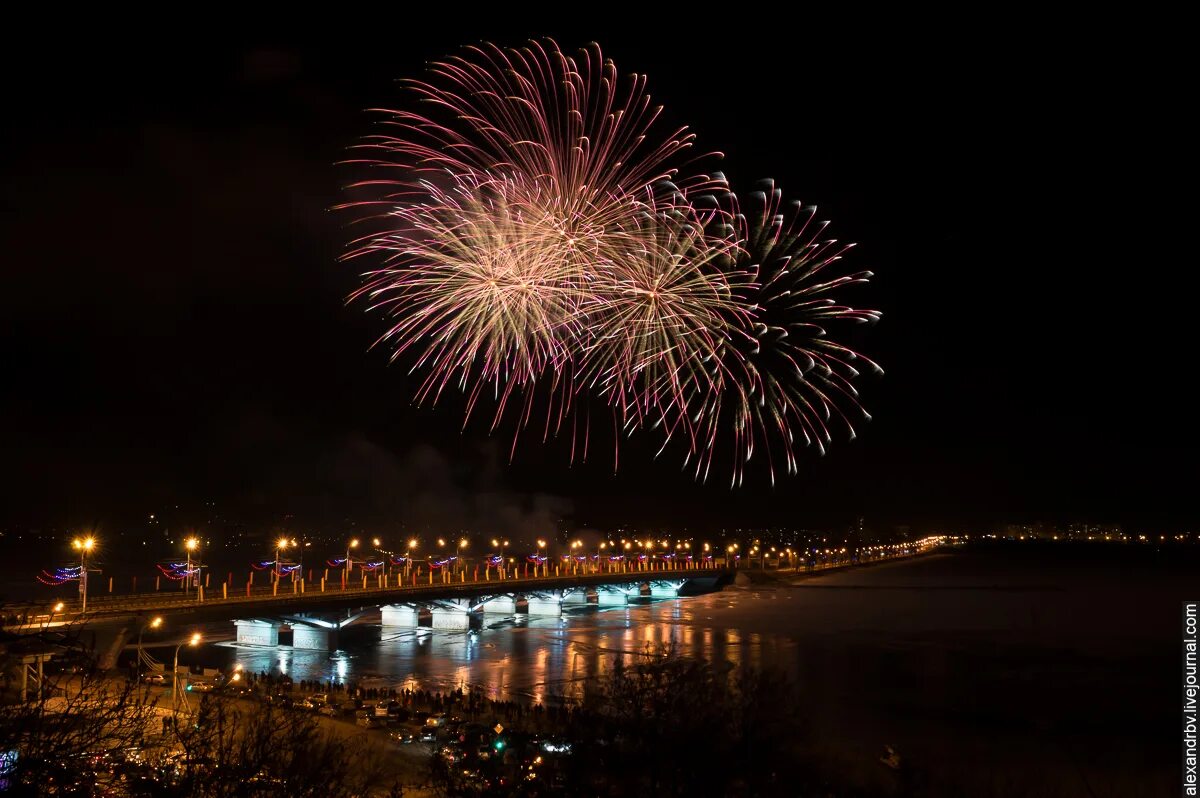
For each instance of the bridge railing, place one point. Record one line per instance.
(394, 583)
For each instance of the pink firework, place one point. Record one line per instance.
(781, 380)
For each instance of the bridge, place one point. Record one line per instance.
(316, 611)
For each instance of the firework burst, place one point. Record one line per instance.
(534, 233)
(781, 380)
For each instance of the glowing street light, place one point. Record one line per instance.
(348, 568)
(191, 544)
(280, 545)
(57, 608)
(154, 623)
(192, 641)
(84, 547)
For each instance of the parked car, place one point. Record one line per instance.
(369, 722)
(407, 734)
(280, 699)
(200, 687)
(319, 699)
(330, 710)
(154, 678)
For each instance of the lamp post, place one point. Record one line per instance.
(280, 545)
(83, 546)
(541, 545)
(154, 624)
(462, 545)
(57, 608)
(194, 640)
(190, 544)
(348, 565)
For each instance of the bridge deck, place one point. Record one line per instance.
(263, 601)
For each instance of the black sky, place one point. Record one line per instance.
(174, 330)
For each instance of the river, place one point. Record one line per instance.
(1045, 670)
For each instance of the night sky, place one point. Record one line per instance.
(174, 330)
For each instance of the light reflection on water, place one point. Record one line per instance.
(525, 657)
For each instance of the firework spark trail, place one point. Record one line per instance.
(659, 312)
(789, 379)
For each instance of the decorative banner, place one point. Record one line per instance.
(177, 571)
(371, 566)
(401, 560)
(495, 560)
(441, 563)
(335, 562)
(262, 566)
(536, 558)
(60, 576)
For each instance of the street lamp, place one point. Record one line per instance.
(190, 544)
(541, 545)
(280, 545)
(348, 566)
(57, 608)
(412, 544)
(83, 546)
(154, 624)
(193, 641)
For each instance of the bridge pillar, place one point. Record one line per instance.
(665, 589)
(451, 614)
(399, 615)
(311, 638)
(257, 632)
(550, 606)
(579, 596)
(500, 605)
(612, 597)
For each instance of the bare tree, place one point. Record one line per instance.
(69, 723)
(232, 748)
